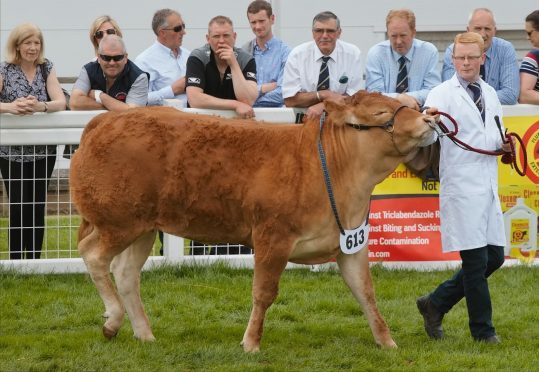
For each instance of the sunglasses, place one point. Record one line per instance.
(117, 58)
(178, 28)
(100, 34)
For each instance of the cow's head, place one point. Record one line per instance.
(406, 128)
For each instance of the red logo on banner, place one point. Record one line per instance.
(531, 143)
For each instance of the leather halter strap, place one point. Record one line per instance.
(388, 125)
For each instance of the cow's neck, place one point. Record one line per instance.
(356, 163)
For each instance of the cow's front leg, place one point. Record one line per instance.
(356, 273)
(267, 272)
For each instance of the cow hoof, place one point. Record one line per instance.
(248, 348)
(109, 333)
(147, 338)
(389, 345)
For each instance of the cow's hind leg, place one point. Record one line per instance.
(267, 273)
(355, 272)
(97, 256)
(126, 269)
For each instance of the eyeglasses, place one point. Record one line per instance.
(100, 34)
(117, 58)
(320, 31)
(469, 58)
(530, 32)
(178, 28)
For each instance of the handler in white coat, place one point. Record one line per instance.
(470, 212)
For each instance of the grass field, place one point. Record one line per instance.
(60, 240)
(199, 314)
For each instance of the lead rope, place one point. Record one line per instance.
(507, 157)
(327, 179)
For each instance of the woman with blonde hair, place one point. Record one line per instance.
(28, 84)
(103, 25)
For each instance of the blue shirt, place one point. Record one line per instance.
(164, 69)
(269, 68)
(501, 70)
(421, 62)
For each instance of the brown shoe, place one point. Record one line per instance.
(494, 340)
(431, 316)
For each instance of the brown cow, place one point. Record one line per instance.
(213, 180)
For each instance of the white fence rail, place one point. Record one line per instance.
(59, 252)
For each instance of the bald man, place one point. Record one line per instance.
(500, 69)
(112, 82)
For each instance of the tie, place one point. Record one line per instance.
(476, 90)
(323, 77)
(402, 77)
(482, 72)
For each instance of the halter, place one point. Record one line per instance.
(388, 126)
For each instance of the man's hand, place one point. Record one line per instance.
(409, 101)
(315, 110)
(244, 111)
(506, 146)
(328, 94)
(433, 111)
(226, 53)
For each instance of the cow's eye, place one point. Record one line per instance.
(378, 113)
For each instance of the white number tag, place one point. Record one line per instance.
(355, 240)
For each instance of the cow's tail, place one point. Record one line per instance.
(85, 229)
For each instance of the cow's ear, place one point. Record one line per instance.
(358, 96)
(334, 106)
(337, 110)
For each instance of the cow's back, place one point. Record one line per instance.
(154, 166)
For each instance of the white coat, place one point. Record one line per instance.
(470, 211)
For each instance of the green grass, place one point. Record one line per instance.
(60, 239)
(199, 314)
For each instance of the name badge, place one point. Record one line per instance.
(355, 240)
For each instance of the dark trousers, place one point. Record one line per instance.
(471, 282)
(26, 185)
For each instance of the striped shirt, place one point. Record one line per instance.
(501, 70)
(421, 63)
(530, 65)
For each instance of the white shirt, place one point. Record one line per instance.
(164, 69)
(303, 67)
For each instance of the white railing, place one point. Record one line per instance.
(66, 127)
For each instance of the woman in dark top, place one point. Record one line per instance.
(28, 84)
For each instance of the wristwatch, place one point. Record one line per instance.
(97, 95)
